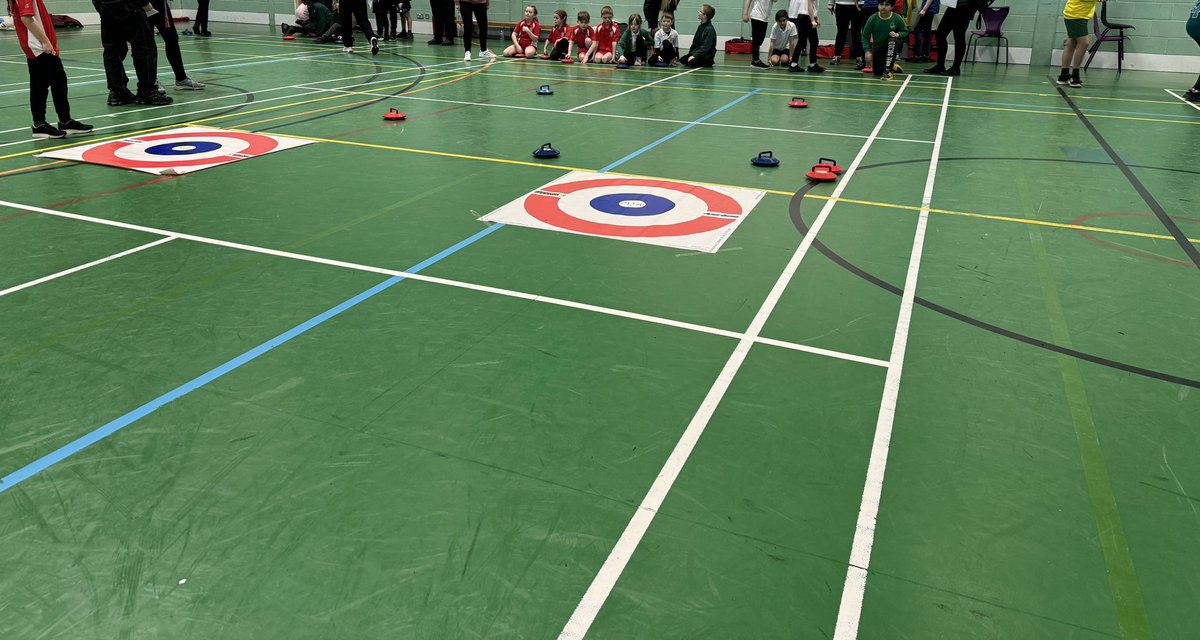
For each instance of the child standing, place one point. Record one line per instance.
(525, 35)
(386, 17)
(885, 29)
(39, 42)
(1076, 15)
(477, 9)
(923, 29)
(756, 14)
(556, 45)
(581, 36)
(783, 39)
(804, 17)
(607, 34)
(631, 49)
(704, 43)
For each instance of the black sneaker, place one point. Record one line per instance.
(154, 98)
(1063, 78)
(860, 65)
(117, 99)
(816, 68)
(759, 63)
(44, 131)
(1192, 95)
(952, 71)
(374, 46)
(1075, 82)
(435, 41)
(75, 126)
(937, 68)
(795, 68)
(283, 26)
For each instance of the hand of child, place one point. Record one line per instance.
(893, 34)
(816, 22)
(48, 48)
(746, 16)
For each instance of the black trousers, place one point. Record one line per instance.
(956, 20)
(699, 62)
(758, 33)
(164, 23)
(386, 13)
(46, 74)
(123, 27)
(352, 11)
(639, 50)
(923, 32)
(807, 34)
(650, 11)
(883, 57)
(849, 23)
(665, 54)
(201, 25)
(479, 11)
(443, 19)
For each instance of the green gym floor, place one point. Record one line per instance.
(954, 394)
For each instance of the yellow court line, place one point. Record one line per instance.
(32, 167)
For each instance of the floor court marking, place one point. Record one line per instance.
(638, 88)
(67, 272)
(625, 117)
(1183, 100)
(606, 578)
(854, 588)
(75, 446)
(583, 306)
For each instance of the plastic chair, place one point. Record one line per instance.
(1102, 37)
(993, 20)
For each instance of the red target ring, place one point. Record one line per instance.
(107, 153)
(544, 205)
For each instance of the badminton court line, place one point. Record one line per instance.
(597, 593)
(1182, 99)
(854, 588)
(67, 272)
(186, 115)
(637, 88)
(619, 116)
(583, 306)
(79, 444)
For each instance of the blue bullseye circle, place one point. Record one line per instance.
(632, 204)
(183, 148)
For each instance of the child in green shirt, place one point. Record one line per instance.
(634, 43)
(704, 43)
(886, 29)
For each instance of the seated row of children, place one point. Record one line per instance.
(606, 43)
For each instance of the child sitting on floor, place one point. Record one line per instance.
(525, 35)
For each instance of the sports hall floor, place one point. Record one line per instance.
(954, 394)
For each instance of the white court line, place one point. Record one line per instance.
(589, 606)
(638, 88)
(447, 282)
(853, 590)
(1181, 98)
(67, 272)
(625, 117)
(187, 114)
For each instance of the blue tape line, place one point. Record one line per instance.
(62, 453)
(675, 133)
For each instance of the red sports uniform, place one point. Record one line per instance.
(558, 33)
(606, 37)
(36, 10)
(523, 39)
(580, 34)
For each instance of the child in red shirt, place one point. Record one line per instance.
(525, 35)
(581, 36)
(556, 45)
(46, 72)
(607, 34)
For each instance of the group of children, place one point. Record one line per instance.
(607, 43)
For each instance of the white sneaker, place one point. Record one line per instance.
(347, 49)
(467, 57)
(486, 54)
